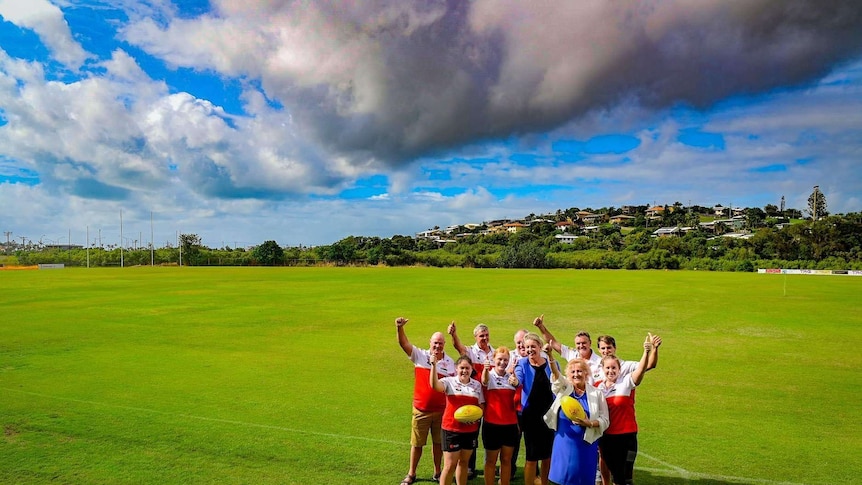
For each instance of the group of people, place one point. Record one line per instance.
(522, 391)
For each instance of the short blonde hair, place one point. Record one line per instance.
(535, 338)
(579, 362)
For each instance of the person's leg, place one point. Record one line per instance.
(505, 464)
(463, 464)
(490, 464)
(437, 450)
(450, 465)
(631, 455)
(605, 471)
(436, 440)
(471, 467)
(415, 456)
(419, 427)
(613, 452)
(544, 471)
(529, 472)
(515, 456)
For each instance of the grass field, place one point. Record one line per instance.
(294, 375)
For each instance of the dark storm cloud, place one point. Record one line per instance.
(390, 82)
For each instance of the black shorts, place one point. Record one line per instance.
(454, 441)
(619, 452)
(496, 436)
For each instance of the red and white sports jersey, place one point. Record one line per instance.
(478, 356)
(595, 362)
(621, 405)
(500, 403)
(457, 395)
(424, 398)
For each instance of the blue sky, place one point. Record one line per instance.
(307, 122)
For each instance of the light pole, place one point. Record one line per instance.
(816, 190)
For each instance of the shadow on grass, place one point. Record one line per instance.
(641, 478)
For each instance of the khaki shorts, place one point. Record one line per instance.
(422, 423)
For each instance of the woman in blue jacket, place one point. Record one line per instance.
(534, 373)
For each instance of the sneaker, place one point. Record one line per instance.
(471, 474)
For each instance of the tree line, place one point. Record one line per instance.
(828, 242)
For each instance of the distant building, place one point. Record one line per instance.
(622, 219)
(655, 211)
(564, 226)
(667, 231)
(514, 227)
(566, 238)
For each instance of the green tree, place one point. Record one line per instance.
(341, 252)
(817, 204)
(754, 217)
(191, 246)
(771, 210)
(525, 255)
(269, 254)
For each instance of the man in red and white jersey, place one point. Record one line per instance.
(582, 349)
(608, 346)
(428, 405)
(480, 351)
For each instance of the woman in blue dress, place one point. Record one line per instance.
(576, 448)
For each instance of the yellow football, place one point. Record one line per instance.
(468, 414)
(572, 408)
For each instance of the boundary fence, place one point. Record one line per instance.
(822, 272)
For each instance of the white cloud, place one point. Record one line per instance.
(48, 22)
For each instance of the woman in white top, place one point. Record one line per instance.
(576, 448)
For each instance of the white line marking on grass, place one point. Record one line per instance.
(204, 418)
(674, 470)
(679, 470)
(708, 476)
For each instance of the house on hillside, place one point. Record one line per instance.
(514, 227)
(589, 218)
(566, 238)
(431, 234)
(565, 226)
(656, 211)
(667, 232)
(622, 220)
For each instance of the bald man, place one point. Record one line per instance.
(428, 405)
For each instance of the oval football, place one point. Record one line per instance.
(572, 408)
(468, 413)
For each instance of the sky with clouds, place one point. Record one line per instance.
(306, 122)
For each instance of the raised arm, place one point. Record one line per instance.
(539, 322)
(456, 342)
(652, 363)
(638, 374)
(555, 369)
(403, 341)
(433, 380)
